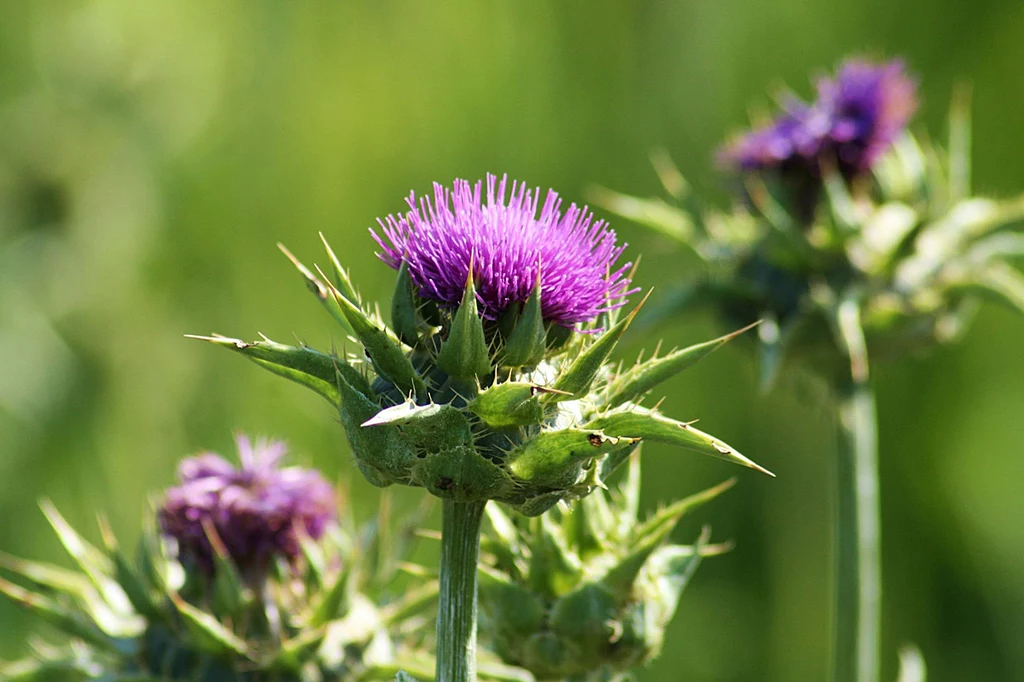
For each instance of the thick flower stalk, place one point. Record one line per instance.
(852, 239)
(242, 574)
(493, 381)
(586, 594)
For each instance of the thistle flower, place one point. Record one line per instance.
(868, 107)
(258, 512)
(480, 390)
(507, 247)
(791, 143)
(906, 256)
(856, 117)
(339, 612)
(588, 593)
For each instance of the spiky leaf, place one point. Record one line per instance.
(575, 381)
(556, 457)
(511, 403)
(637, 380)
(638, 422)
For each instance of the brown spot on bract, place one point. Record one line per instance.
(444, 483)
(595, 440)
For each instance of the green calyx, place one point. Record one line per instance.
(464, 354)
(526, 344)
(588, 590)
(910, 247)
(472, 409)
(333, 616)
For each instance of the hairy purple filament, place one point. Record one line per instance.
(507, 244)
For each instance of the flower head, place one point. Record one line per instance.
(257, 511)
(506, 244)
(868, 106)
(791, 139)
(857, 116)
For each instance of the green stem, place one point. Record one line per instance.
(858, 603)
(456, 611)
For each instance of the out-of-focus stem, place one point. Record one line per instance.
(858, 567)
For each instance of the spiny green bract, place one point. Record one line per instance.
(586, 593)
(329, 618)
(894, 262)
(473, 409)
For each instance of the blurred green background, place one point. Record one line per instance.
(152, 153)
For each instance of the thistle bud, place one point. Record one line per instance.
(494, 380)
(851, 237)
(250, 576)
(586, 593)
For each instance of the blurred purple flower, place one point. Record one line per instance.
(256, 511)
(506, 243)
(869, 105)
(857, 116)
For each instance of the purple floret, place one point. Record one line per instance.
(506, 242)
(795, 137)
(257, 511)
(857, 116)
(869, 106)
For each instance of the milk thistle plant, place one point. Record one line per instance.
(586, 594)
(851, 238)
(243, 574)
(493, 380)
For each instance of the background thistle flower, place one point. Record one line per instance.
(258, 512)
(483, 392)
(853, 240)
(857, 116)
(587, 593)
(894, 235)
(318, 610)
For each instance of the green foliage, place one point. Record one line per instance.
(335, 616)
(588, 592)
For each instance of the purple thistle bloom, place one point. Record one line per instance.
(256, 511)
(506, 243)
(869, 105)
(792, 139)
(856, 117)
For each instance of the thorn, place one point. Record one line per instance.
(534, 390)
(730, 336)
(321, 291)
(220, 340)
(329, 287)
